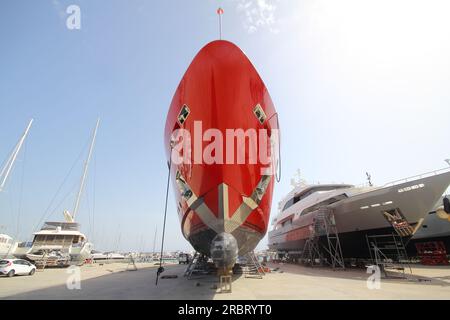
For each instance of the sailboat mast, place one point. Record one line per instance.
(86, 165)
(9, 164)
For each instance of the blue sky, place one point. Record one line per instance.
(359, 86)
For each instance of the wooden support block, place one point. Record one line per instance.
(225, 284)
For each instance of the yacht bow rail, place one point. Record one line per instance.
(416, 177)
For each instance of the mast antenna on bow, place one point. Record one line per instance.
(220, 13)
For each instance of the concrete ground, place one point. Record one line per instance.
(288, 282)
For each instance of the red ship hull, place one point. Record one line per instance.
(216, 192)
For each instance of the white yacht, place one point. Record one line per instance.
(62, 243)
(98, 255)
(107, 256)
(400, 207)
(115, 256)
(7, 246)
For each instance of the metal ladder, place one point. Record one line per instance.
(41, 263)
(324, 225)
(311, 252)
(196, 265)
(388, 251)
(252, 267)
(334, 249)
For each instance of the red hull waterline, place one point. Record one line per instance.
(223, 202)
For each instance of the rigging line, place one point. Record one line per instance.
(7, 160)
(93, 200)
(161, 269)
(88, 204)
(154, 240)
(47, 210)
(49, 214)
(19, 210)
(11, 206)
(90, 209)
(278, 177)
(70, 192)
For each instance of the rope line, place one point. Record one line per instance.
(161, 269)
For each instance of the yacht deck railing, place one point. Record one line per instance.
(419, 176)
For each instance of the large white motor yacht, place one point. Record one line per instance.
(399, 207)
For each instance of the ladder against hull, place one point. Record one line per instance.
(388, 252)
(401, 226)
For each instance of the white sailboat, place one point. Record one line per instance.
(7, 243)
(62, 243)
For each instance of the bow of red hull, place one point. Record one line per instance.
(219, 187)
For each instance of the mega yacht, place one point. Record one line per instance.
(398, 207)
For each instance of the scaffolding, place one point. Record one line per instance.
(316, 251)
(388, 252)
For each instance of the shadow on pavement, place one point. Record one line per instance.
(131, 285)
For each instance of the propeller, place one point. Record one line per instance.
(443, 211)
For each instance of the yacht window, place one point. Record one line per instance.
(288, 204)
(259, 113)
(183, 115)
(302, 196)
